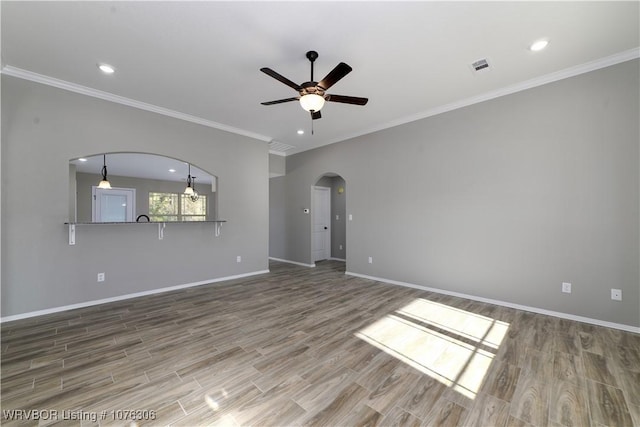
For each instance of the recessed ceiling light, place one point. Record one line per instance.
(172, 170)
(538, 45)
(106, 68)
(82, 159)
(300, 132)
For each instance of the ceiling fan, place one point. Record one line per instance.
(312, 94)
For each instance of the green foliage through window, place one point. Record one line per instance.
(193, 210)
(176, 207)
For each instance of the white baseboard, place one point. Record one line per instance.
(127, 296)
(559, 314)
(292, 262)
(337, 259)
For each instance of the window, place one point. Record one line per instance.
(193, 211)
(176, 207)
(163, 207)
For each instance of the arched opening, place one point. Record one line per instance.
(140, 185)
(328, 219)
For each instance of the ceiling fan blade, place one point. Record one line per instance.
(336, 74)
(280, 78)
(347, 99)
(279, 101)
(316, 115)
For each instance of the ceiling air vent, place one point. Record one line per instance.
(481, 65)
(276, 147)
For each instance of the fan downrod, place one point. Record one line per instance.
(312, 55)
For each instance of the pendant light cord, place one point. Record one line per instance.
(104, 167)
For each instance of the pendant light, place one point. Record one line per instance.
(194, 196)
(189, 190)
(104, 184)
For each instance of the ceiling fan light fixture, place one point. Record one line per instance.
(313, 94)
(311, 102)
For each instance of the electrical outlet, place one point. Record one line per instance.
(350, 217)
(238, 258)
(616, 294)
(337, 217)
(340, 247)
(566, 287)
(101, 277)
(370, 260)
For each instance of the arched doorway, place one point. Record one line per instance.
(328, 209)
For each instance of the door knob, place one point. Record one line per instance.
(326, 228)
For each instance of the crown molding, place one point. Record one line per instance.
(278, 153)
(95, 93)
(608, 61)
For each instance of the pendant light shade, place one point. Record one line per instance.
(104, 184)
(189, 190)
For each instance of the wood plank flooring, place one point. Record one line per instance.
(311, 346)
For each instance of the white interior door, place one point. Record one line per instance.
(321, 221)
(113, 205)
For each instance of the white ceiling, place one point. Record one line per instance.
(201, 60)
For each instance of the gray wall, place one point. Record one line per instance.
(276, 165)
(44, 127)
(277, 229)
(86, 181)
(279, 239)
(505, 199)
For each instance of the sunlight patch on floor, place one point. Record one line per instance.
(451, 345)
(469, 325)
(211, 403)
